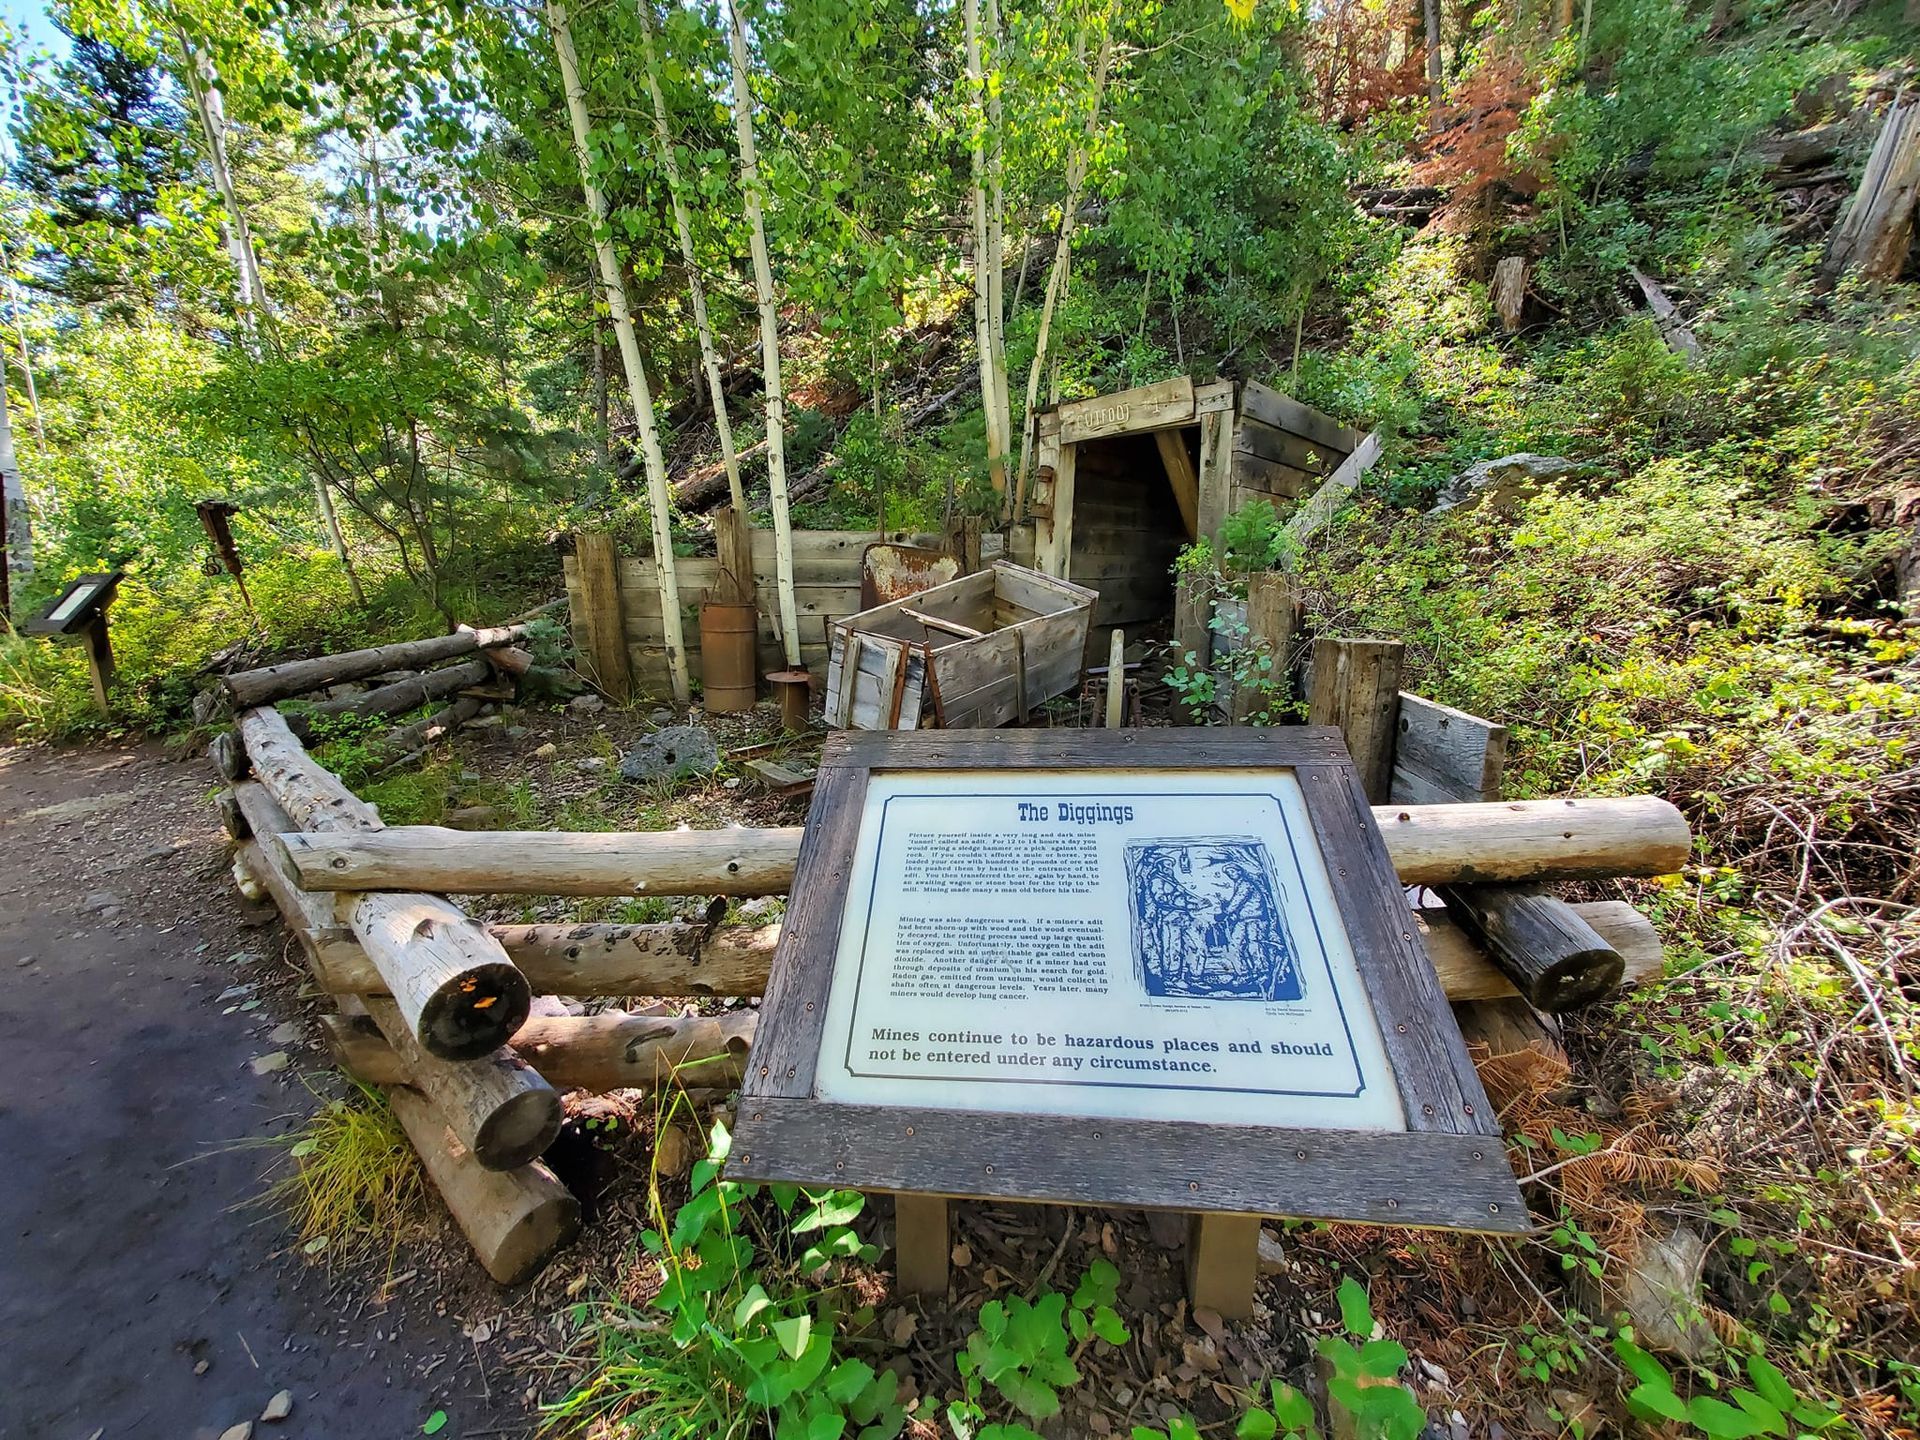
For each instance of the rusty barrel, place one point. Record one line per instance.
(729, 638)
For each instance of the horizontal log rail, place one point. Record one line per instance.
(1429, 845)
(679, 959)
(609, 1051)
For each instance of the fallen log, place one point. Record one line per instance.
(460, 994)
(1429, 844)
(409, 740)
(313, 797)
(498, 1106)
(248, 688)
(514, 1219)
(609, 1051)
(1556, 960)
(674, 958)
(408, 694)
(685, 959)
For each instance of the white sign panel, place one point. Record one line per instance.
(1154, 945)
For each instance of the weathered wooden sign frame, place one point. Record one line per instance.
(1447, 1168)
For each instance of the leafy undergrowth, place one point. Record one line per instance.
(1703, 613)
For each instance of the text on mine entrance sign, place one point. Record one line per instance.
(1148, 945)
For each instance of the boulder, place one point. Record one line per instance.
(1500, 482)
(672, 754)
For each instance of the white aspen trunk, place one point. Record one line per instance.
(658, 500)
(1431, 14)
(769, 344)
(212, 113)
(709, 356)
(250, 288)
(996, 234)
(1056, 277)
(983, 326)
(26, 356)
(18, 540)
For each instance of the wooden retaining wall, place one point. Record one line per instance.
(826, 585)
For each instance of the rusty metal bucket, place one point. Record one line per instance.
(729, 639)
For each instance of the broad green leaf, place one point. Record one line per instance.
(793, 1333)
(1355, 1311)
(1256, 1424)
(436, 1422)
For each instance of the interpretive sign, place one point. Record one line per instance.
(1127, 967)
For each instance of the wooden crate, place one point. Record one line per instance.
(974, 653)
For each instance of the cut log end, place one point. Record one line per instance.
(1579, 978)
(519, 1131)
(476, 1012)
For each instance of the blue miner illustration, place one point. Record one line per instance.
(1207, 920)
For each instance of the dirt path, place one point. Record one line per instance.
(129, 1254)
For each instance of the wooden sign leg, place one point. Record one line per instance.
(920, 1244)
(1223, 1262)
(100, 660)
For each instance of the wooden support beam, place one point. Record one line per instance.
(1429, 845)
(1223, 1263)
(1272, 599)
(497, 1106)
(295, 677)
(733, 544)
(598, 609)
(1319, 508)
(1116, 678)
(1555, 959)
(514, 1219)
(1356, 686)
(1182, 475)
(921, 1241)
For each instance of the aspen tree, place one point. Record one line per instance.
(211, 111)
(769, 341)
(1077, 164)
(615, 286)
(697, 291)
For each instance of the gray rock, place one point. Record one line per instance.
(487, 722)
(279, 1407)
(586, 704)
(591, 765)
(516, 732)
(101, 901)
(242, 1431)
(1661, 1295)
(672, 754)
(660, 717)
(1500, 482)
(473, 817)
(763, 907)
(285, 1033)
(268, 1064)
(1273, 1258)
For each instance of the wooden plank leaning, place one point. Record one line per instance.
(456, 989)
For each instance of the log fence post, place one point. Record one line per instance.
(1356, 687)
(597, 565)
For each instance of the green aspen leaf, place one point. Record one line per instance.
(1256, 1424)
(436, 1422)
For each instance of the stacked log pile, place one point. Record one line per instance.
(465, 1025)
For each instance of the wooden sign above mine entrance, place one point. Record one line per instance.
(1160, 968)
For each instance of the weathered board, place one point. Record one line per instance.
(826, 589)
(974, 653)
(971, 913)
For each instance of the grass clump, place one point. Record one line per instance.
(354, 1184)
